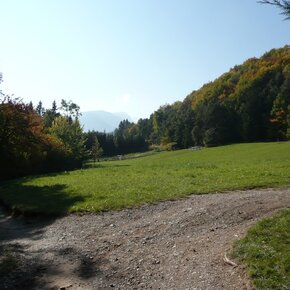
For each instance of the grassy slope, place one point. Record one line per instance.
(266, 252)
(163, 176)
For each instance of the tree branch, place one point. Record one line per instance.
(283, 5)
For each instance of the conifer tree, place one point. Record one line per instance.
(97, 150)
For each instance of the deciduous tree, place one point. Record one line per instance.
(21, 138)
(70, 132)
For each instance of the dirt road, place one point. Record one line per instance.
(170, 245)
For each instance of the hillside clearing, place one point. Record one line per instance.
(168, 175)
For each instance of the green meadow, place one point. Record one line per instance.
(164, 176)
(266, 252)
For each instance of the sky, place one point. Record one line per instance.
(128, 55)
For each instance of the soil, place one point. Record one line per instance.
(170, 245)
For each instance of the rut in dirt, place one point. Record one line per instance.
(171, 245)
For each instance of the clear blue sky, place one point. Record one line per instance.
(128, 55)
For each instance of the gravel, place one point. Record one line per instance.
(170, 245)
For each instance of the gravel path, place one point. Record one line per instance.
(171, 245)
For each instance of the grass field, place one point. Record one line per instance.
(168, 175)
(266, 252)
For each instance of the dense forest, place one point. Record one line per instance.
(249, 103)
(36, 141)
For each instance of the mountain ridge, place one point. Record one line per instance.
(100, 120)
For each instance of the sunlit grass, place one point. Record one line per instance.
(168, 175)
(266, 252)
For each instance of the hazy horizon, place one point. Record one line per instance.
(128, 56)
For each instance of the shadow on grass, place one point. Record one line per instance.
(25, 258)
(34, 207)
(98, 165)
(30, 200)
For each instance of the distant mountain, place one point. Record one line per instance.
(102, 121)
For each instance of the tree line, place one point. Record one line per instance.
(35, 140)
(250, 103)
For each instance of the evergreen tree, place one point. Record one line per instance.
(39, 109)
(96, 151)
(50, 115)
(54, 107)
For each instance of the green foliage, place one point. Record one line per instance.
(266, 252)
(107, 142)
(162, 176)
(128, 139)
(242, 102)
(58, 156)
(50, 115)
(70, 109)
(211, 137)
(27, 147)
(281, 110)
(97, 151)
(171, 146)
(71, 134)
(39, 109)
(247, 104)
(22, 140)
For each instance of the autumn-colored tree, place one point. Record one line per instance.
(280, 114)
(21, 135)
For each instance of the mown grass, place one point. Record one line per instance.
(266, 252)
(168, 175)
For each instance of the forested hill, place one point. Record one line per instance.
(248, 103)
